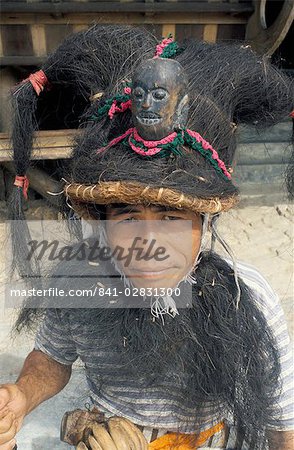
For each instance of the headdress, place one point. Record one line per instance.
(191, 168)
(92, 75)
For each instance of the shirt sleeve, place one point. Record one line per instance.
(54, 338)
(269, 303)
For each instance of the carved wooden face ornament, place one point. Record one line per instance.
(159, 98)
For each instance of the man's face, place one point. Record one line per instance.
(159, 103)
(178, 232)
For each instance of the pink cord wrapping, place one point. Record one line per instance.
(160, 47)
(116, 140)
(206, 145)
(153, 146)
(150, 152)
(22, 182)
(38, 80)
(123, 107)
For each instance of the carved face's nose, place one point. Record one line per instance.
(147, 101)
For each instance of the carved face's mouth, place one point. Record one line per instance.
(149, 118)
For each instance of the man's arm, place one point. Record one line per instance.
(280, 440)
(41, 378)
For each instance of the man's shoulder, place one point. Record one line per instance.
(255, 281)
(264, 297)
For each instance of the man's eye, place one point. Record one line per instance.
(172, 218)
(127, 219)
(159, 94)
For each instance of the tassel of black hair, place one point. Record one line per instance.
(25, 103)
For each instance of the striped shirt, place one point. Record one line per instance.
(65, 340)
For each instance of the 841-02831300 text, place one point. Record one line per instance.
(136, 292)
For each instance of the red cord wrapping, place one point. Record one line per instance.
(22, 182)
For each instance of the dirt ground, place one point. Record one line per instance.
(263, 236)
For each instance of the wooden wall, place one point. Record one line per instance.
(31, 29)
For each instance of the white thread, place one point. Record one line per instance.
(66, 195)
(85, 190)
(55, 193)
(231, 254)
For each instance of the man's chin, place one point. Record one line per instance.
(164, 282)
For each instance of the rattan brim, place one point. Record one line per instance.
(130, 192)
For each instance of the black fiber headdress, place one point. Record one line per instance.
(227, 85)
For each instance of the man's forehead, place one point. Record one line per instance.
(120, 208)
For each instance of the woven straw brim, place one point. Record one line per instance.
(130, 192)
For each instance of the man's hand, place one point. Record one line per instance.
(117, 434)
(40, 379)
(13, 408)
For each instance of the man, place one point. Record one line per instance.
(195, 373)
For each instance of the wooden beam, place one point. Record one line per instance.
(41, 153)
(51, 144)
(128, 18)
(70, 133)
(107, 6)
(1, 44)
(256, 154)
(21, 60)
(39, 40)
(210, 32)
(169, 28)
(80, 27)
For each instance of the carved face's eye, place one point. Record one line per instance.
(159, 94)
(138, 93)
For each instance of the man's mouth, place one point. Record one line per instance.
(149, 118)
(150, 273)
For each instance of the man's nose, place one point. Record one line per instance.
(150, 230)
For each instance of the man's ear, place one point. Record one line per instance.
(182, 112)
